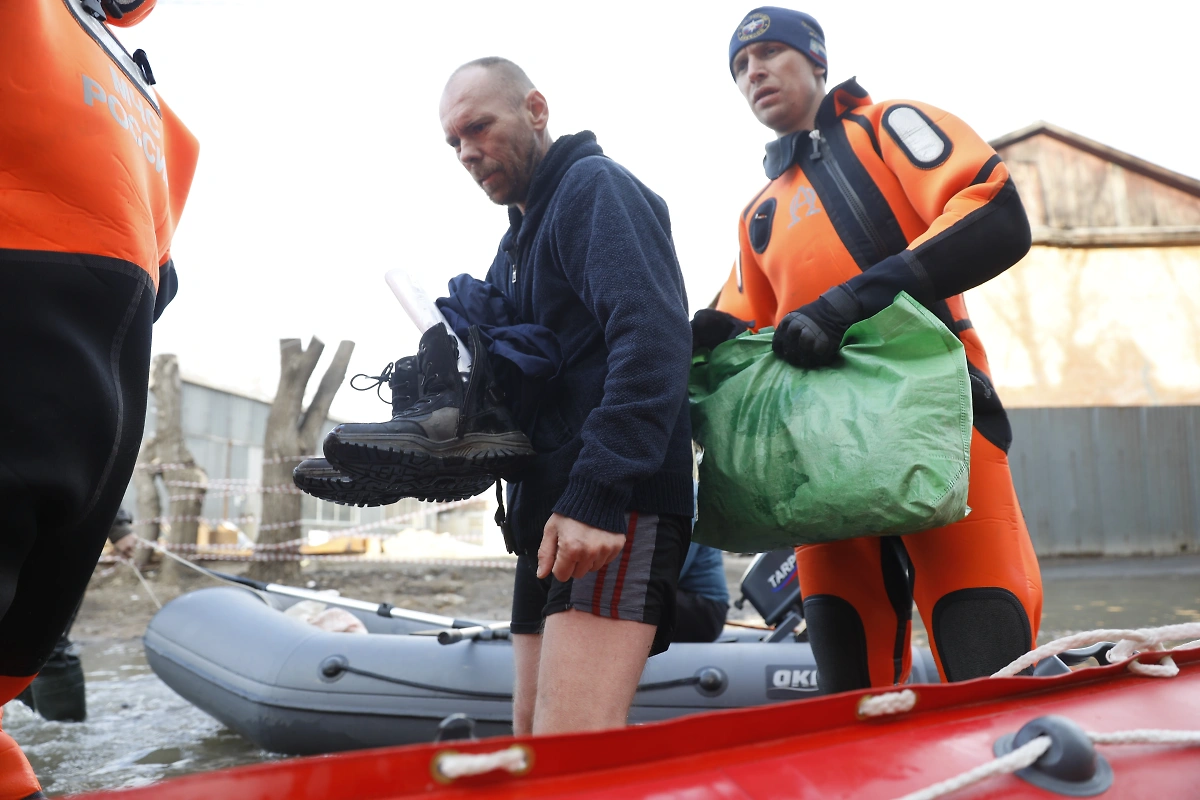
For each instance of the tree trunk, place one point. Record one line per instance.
(292, 433)
(167, 458)
(145, 521)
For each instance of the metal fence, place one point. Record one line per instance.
(1109, 481)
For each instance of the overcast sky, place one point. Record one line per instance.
(323, 165)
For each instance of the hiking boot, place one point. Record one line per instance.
(323, 480)
(451, 430)
(401, 378)
(316, 476)
(319, 478)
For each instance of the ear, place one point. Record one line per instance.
(538, 109)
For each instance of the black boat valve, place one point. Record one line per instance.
(711, 681)
(333, 668)
(1070, 768)
(455, 727)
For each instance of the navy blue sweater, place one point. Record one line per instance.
(592, 260)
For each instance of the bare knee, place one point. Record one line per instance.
(589, 671)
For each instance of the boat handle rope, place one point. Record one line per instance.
(449, 765)
(334, 667)
(1128, 642)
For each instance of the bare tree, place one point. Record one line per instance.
(166, 457)
(292, 433)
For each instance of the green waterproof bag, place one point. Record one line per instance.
(876, 444)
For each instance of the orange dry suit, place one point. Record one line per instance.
(92, 161)
(887, 197)
(94, 172)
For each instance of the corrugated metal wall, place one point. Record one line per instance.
(1109, 481)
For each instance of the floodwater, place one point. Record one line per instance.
(138, 731)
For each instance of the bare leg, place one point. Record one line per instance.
(527, 651)
(589, 671)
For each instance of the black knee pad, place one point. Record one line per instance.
(978, 631)
(839, 644)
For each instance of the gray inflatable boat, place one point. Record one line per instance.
(292, 688)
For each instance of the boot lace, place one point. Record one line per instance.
(380, 380)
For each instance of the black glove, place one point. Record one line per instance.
(711, 327)
(811, 335)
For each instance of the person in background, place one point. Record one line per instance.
(702, 599)
(865, 200)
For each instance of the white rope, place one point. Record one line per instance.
(1147, 736)
(459, 765)
(1028, 753)
(1128, 642)
(1020, 758)
(146, 586)
(878, 705)
(1165, 668)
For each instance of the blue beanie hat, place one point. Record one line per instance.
(772, 24)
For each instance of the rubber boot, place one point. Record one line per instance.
(59, 692)
(17, 781)
(452, 430)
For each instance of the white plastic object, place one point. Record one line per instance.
(422, 310)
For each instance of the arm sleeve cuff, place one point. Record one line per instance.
(597, 504)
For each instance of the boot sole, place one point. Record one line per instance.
(406, 458)
(345, 492)
(357, 491)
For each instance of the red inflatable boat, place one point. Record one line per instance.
(855, 745)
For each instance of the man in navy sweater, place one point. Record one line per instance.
(601, 519)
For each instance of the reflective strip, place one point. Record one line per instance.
(618, 590)
(104, 37)
(912, 129)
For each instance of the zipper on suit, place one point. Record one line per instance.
(825, 156)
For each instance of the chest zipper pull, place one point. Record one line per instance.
(514, 272)
(815, 135)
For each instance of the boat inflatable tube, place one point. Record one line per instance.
(292, 688)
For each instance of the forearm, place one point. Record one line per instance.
(971, 252)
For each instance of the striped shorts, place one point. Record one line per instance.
(639, 585)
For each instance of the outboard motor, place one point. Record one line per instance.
(771, 584)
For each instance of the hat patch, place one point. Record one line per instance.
(753, 26)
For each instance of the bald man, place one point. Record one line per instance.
(601, 519)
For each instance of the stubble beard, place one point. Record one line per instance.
(524, 168)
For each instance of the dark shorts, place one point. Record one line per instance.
(638, 586)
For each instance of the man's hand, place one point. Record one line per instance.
(126, 545)
(811, 335)
(571, 549)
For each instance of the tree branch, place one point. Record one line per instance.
(318, 410)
